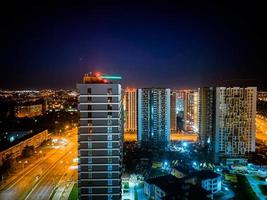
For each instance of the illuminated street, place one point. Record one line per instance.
(39, 181)
(131, 137)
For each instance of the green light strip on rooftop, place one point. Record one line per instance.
(111, 77)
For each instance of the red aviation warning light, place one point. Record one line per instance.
(97, 74)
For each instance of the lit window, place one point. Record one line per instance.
(109, 129)
(109, 107)
(109, 167)
(109, 90)
(109, 99)
(110, 190)
(109, 145)
(109, 137)
(109, 181)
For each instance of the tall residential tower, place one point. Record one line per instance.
(173, 112)
(235, 123)
(154, 117)
(130, 108)
(100, 139)
(227, 122)
(191, 110)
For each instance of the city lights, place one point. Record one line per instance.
(133, 100)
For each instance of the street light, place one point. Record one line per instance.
(184, 144)
(20, 163)
(40, 153)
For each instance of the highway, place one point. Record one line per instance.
(40, 180)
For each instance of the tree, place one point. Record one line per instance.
(6, 166)
(27, 151)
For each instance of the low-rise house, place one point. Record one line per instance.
(170, 187)
(206, 179)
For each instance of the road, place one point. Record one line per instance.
(132, 137)
(39, 181)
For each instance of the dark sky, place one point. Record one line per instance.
(150, 44)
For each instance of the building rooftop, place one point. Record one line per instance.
(206, 174)
(173, 186)
(99, 78)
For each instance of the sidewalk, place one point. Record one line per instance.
(63, 190)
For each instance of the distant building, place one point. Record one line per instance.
(235, 123)
(191, 111)
(173, 112)
(153, 117)
(169, 187)
(14, 151)
(207, 116)
(180, 96)
(262, 96)
(30, 108)
(100, 139)
(130, 109)
(227, 122)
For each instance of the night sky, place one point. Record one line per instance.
(153, 44)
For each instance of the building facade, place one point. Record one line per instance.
(227, 122)
(206, 116)
(173, 112)
(191, 111)
(235, 122)
(153, 117)
(100, 139)
(130, 109)
(180, 96)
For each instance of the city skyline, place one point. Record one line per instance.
(181, 45)
(133, 100)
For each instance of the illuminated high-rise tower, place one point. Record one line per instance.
(130, 108)
(154, 117)
(206, 117)
(227, 122)
(100, 138)
(235, 123)
(191, 110)
(173, 112)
